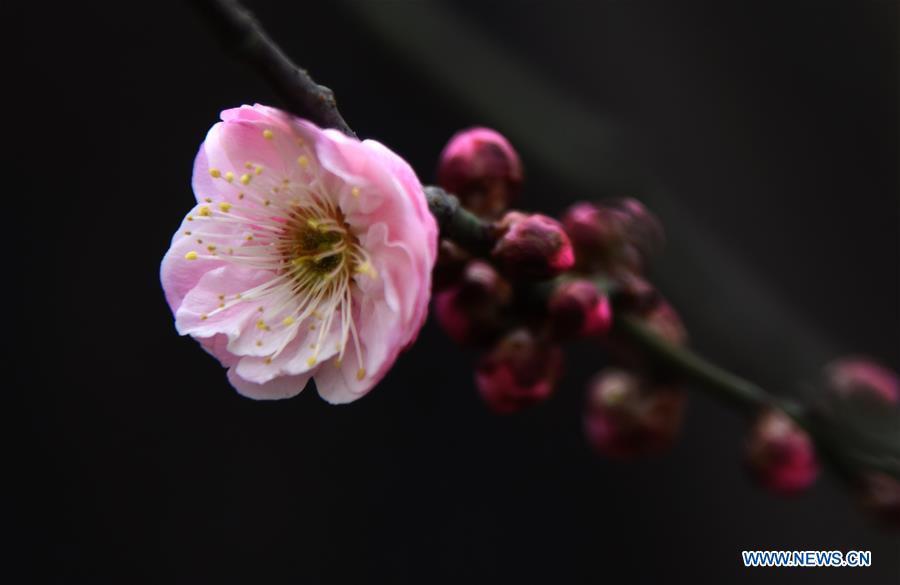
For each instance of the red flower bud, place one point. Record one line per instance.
(577, 309)
(627, 416)
(533, 247)
(481, 167)
(880, 495)
(637, 294)
(470, 312)
(617, 236)
(859, 378)
(518, 372)
(780, 455)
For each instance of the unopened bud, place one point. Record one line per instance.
(780, 454)
(532, 247)
(637, 294)
(861, 379)
(616, 236)
(518, 372)
(628, 416)
(482, 168)
(577, 309)
(880, 495)
(471, 311)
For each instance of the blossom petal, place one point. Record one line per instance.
(274, 389)
(179, 274)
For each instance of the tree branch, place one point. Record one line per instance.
(242, 36)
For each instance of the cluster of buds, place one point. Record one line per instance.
(490, 303)
(545, 282)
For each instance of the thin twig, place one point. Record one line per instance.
(241, 34)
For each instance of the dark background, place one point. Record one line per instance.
(764, 133)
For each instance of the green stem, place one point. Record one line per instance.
(731, 387)
(455, 223)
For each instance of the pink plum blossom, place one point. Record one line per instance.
(307, 255)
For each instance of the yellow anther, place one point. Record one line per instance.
(259, 343)
(360, 373)
(311, 361)
(261, 325)
(204, 317)
(208, 199)
(190, 255)
(221, 305)
(267, 134)
(303, 161)
(268, 360)
(238, 296)
(211, 248)
(249, 238)
(203, 211)
(367, 269)
(190, 218)
(245, 178)
(288, 321)
(224, 206)
(248, 165)
(215, 173)
(355, 191)
(229, 176)
(259, 169)
(313, 223)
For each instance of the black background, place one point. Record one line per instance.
(764, 133)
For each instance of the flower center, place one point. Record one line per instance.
(314, 256)
(317, 246)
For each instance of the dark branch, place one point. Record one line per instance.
(242, 36)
